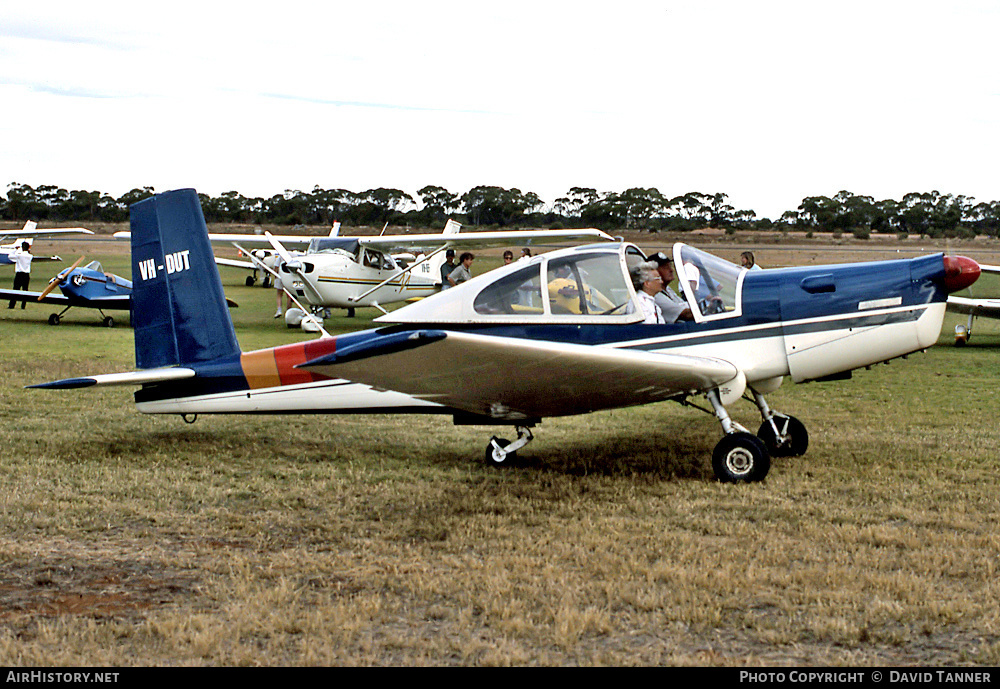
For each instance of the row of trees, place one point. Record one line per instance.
(931, 214)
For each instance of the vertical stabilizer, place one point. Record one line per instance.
(179, 310)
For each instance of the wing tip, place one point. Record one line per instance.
(65, 384)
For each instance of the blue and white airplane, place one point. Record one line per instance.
(505, 348)
(87, 287)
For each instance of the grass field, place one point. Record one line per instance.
(378, 540)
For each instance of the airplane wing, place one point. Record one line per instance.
(234, 263)
(480, 240)
(419, 242)
(111, 303)
(510, 378)
(975, 307)
(251, 240)
(16, 234)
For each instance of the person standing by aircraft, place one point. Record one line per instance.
(279, 290)
(22, 270)
(447, 267)
(748, 262)
(673, 306)
(464, 270)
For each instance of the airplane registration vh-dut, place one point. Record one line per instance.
(575, 355)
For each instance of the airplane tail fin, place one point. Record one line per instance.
(335, 230)
(451, 227)
(179, 311)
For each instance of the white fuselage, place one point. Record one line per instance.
(804, 350)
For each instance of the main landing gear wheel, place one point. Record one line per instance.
(792, 441)
(54, 319)
(740, 458)
(496, 454)
(250, 281)
(108, 322)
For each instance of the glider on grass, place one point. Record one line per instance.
(506, 349)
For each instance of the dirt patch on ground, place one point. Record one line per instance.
(85, 581)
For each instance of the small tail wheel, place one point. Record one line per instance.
(741, 458)
(796, 438)
(497, 457)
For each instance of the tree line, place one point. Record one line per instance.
(926, 214)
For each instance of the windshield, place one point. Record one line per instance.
(711, 284)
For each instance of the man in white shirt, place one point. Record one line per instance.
(22, 271)
(674, 307)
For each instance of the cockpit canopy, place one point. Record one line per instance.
(585, 284)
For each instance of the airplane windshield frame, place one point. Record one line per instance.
(712, 286)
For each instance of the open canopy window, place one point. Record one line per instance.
(711, 285)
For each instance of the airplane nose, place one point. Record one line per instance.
(959, 273)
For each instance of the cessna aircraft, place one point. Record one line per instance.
(88, 287)
(989, 308)
(453, 353)
(28, 234)
(348, 272)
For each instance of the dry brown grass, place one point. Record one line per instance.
(133, 540)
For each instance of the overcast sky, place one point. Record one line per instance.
(765, 101)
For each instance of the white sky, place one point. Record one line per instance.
(767, 101)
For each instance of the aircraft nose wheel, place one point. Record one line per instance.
(792, 441)
(503, 453)
(497, 455)
(740, 458)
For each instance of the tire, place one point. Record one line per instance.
(740, 458)
(491, 458)
(54, 319)
(250, 281)
(108, 322)
(798, 441)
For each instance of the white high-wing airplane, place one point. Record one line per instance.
(988, 308)
(351, 271)
(16, 239)
(560, 334)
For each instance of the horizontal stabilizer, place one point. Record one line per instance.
(385, 344)
(155, 375)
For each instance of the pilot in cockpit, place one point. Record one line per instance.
(674, 307)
